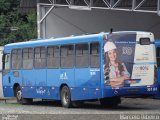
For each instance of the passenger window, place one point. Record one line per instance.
(67, 55)
(82, 55)
(145, 41)
(16, 59)
(6, 62)
(94, 54)
(40, 57)
(53, 57)
(27, 55)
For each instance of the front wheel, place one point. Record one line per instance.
(66, 97)
(18, 94)
(19, 97)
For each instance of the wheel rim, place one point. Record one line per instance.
(19, 94)
(65, 97)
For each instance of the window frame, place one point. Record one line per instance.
(73, 56)
(56, 67)
(28, 59)
(17, 57)
(88, 53)
(4, 62)
(34, 61)
(94, 54)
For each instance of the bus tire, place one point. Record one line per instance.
(18, 94)
(19, 97)
(66, 97)
(110, 102)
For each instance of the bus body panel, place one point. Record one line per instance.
(10, 78)
(53, 82)
(33, 82)
(88, 84)
(40, 92)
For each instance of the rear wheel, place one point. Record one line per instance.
(20, 99)
(110, 102)
(66, 97)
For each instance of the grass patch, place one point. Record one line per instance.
(10, 104)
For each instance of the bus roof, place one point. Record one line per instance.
(66, 40)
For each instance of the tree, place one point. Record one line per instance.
(11, 17)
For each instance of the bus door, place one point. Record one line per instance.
(8, 90)
(1, 86)
(15, 74)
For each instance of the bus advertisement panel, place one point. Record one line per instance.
(128, 62)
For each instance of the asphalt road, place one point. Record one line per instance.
(130, 108)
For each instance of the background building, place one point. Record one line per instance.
(60, 18)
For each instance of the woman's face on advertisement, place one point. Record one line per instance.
(112, 55)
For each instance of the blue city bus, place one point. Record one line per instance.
(104, 67)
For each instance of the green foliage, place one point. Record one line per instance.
(11, 17)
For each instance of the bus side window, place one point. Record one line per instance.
(40, 57)
(53, 57)
(82, 55)
(67, 55)
(94, 54)
(6, 64)
(27, 58)
(158, 56)
(16, 59)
